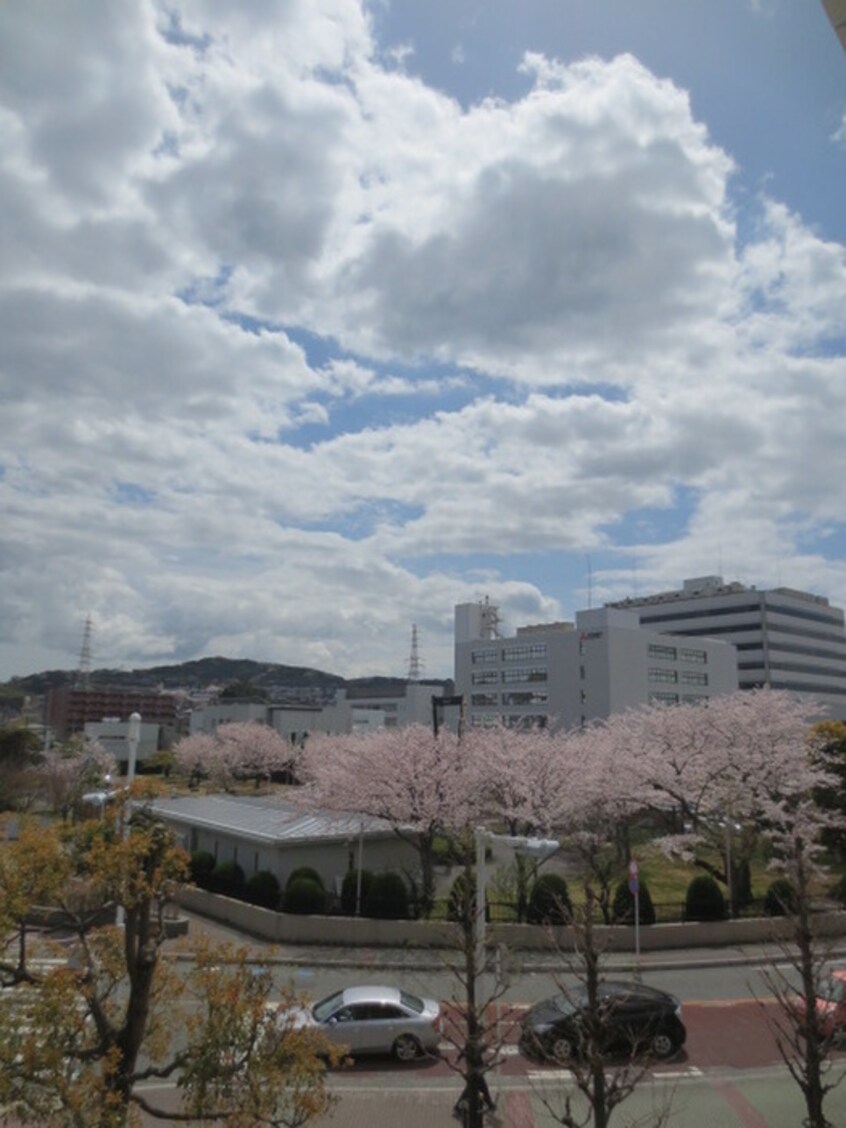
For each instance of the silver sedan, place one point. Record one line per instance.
(379, 1020)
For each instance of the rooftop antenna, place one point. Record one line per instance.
(83, 673)
(590, 582)
(415, 666)
(490, 619)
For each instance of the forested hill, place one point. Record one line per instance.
(201, 674)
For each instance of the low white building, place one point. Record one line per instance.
(567, 674)
(113, 734)
(355, 709)
(268, 833)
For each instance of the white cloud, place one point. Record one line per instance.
(240, 236)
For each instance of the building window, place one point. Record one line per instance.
(525, 697)
(693, 677)
(582, 672)
(663, 699)
(699, 656)
(485, 677)
(665, 653)
(693, 698)
(484, 657)
(529, 652)
(659, 675)
(525, 674)
(480, 699)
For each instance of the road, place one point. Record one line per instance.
(729, 1075)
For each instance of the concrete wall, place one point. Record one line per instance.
(353, 932)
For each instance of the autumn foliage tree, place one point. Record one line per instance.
(83, 1040)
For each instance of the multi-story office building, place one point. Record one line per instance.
(70, 709)
(785, 639)
(567, 674)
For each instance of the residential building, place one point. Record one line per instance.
(785, 639)
(568, 674)
(70, 709)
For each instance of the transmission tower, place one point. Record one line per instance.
(415, 665)
(83, 673)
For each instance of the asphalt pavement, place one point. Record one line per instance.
(685, 1094)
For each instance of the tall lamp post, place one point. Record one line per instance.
(133, 737)
(539, 848)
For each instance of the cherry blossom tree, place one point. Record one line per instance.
(66, 773)
(423, 785)
(522, 788)
(240, 750)
(712, 769)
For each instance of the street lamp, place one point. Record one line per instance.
(540, 848)
(133, 736)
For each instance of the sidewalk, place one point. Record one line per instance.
(433, 959)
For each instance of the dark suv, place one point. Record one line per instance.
(631, 1020)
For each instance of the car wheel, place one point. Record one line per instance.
(561, 1048)
(406, 1048)
(664, 1044)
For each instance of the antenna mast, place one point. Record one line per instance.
(415, 666)
(83, 673)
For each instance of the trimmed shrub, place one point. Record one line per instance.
(623, 906)
(305, 871)
(202, 864)
(263, 889)
(227, 878)
(780, 898)
(349, 890)
(704, 899)
(549, 901)
(303, 895)
(387, 897)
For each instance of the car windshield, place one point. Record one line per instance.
(322, 1010)
(412, 1002)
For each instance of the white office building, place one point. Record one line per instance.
(567, 674)
(785, 639)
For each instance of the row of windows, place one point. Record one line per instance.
(658, 698)
(659, 675)
(773, 631)
(525, 697)
(514, 720)
(794, 668)
(524, 652)
(509, 677)
(831, 618)
(673, 653)
(792, 648)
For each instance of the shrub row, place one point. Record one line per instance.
(383, 895)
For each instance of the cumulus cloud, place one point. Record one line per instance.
(294, 348)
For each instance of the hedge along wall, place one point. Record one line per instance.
(362, 931)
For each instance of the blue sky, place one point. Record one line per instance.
(320, 316)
